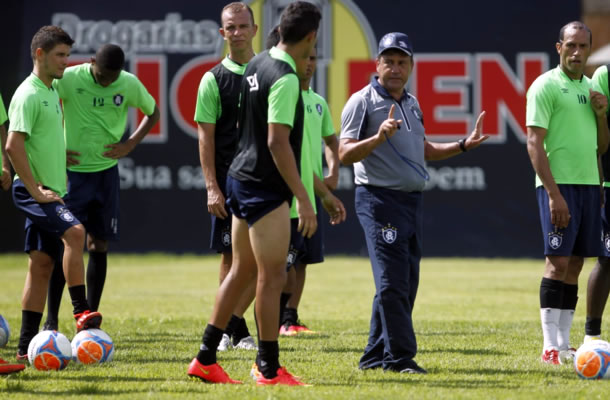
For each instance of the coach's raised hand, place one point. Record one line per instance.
(476, 137)
(388, 128)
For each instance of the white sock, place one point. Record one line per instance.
(550, 326)
(565, 324)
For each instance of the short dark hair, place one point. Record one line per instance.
(47, 38)
(110, 56)
(273, 38)
(298, 20)
(236, 7)
(575, 25)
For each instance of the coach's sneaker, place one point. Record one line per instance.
(247, 343)
(6, 368)
(288, 329)
(88, 320)
(283, 378)
(550, 356)
(225, 343)
(209, 373)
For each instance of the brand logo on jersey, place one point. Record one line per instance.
(64, 214)
(80, 90)
(555, 240)
(225, 236)
(319, 108)
(389, 234)
(607, 242)
(117, 99)
(564, 90)
(253, 82)
(45, 103)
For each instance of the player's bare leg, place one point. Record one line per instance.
(598, 289)
(226, 260)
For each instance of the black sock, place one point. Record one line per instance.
(268, 358)
(96, 277)
(551, 293)
(593, 326)
(30, 324)
(570, 297)
(283, 301)
(207, 351)
(290, 316)
(241, 330)
(232, 325)
(79, 298)
(56, 290)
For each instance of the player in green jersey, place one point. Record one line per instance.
(37, 151)
(566, 131)
(96, 99)
(5, 171)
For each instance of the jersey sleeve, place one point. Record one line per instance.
(22, 114)
(3, 116)
(283, 98)
(539, 105)
(600, 81)
(208, 108)
(327, 120)
(141, 98)
(353, 117)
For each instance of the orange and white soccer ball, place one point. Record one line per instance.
(49, 350)
(592, 360)
(92, 346)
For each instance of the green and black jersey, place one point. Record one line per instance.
(600, 80)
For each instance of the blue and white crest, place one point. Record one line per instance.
(607, 241)
(225, 236)
(118, 99)
(319, 108)
(389, 234)
(555, 240)
(64, 214)
(292, 256)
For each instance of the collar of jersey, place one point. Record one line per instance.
(383, 92)
(278, 54)
(233, 66)
(38, 82)
(565, 77)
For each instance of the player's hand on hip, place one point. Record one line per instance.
(47, 196)
(388, 128)
(71, 157)
(216, 203)
(334, 207)
(476, 137)
(308, 222)
(560, 214)
(599, 103)
(117, 150)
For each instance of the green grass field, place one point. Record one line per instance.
(477, 322)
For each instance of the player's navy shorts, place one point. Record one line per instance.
(606, 223)
(220, 237)
(303, 250)
(250, 201)
(93, 197)
(45, 223)
(582, 235)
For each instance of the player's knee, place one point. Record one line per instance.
(96, 245)
(74, 237)
(41, 265)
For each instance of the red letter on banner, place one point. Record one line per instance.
(359, 73)
(151, 72)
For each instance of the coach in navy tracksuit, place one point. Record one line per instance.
(382, 134)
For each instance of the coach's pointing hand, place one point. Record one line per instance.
(476, 137)
(388, 128)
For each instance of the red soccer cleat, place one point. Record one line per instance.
(6, 368)
(550, 356)
(302, 328)
(283, 378)
(209, 373)
(288, 330)
(88, 320)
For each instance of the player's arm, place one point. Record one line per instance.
(119, 150)
(599, 103)
(207, 157)
(560, 214)
(15, 148)
(333, 206)
(434, 151)
(331, 154)
(5, 179)
(278, 142)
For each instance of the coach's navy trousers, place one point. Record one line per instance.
(392, 224)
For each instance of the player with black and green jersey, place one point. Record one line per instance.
(96, 98)
(598, 286)
(5, 168)
(37, 150)
(566, 131)
(216, 116)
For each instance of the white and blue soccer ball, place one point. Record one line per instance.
(92, 346)
(5, 331)
(592, 360)
(49, 350)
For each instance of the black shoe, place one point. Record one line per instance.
(50, 326)
(413, 368)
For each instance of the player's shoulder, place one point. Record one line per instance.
(318, 98)
(600, 72)
(543, 83)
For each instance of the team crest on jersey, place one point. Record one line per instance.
(607, 241)
(64, 214)
(118, 99)
(225, 236)
(555, 240)
(319, 108)
(417, 112)
(389, 234)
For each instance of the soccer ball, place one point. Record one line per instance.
(592, 360)
(92, 346)
(5, 331)
(49, 350)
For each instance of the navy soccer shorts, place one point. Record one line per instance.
(250, 201)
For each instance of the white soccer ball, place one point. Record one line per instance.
(49, 350)
(592, 360)
(92, 346)
(5, 331)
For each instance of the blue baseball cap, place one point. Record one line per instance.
(395, 40)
